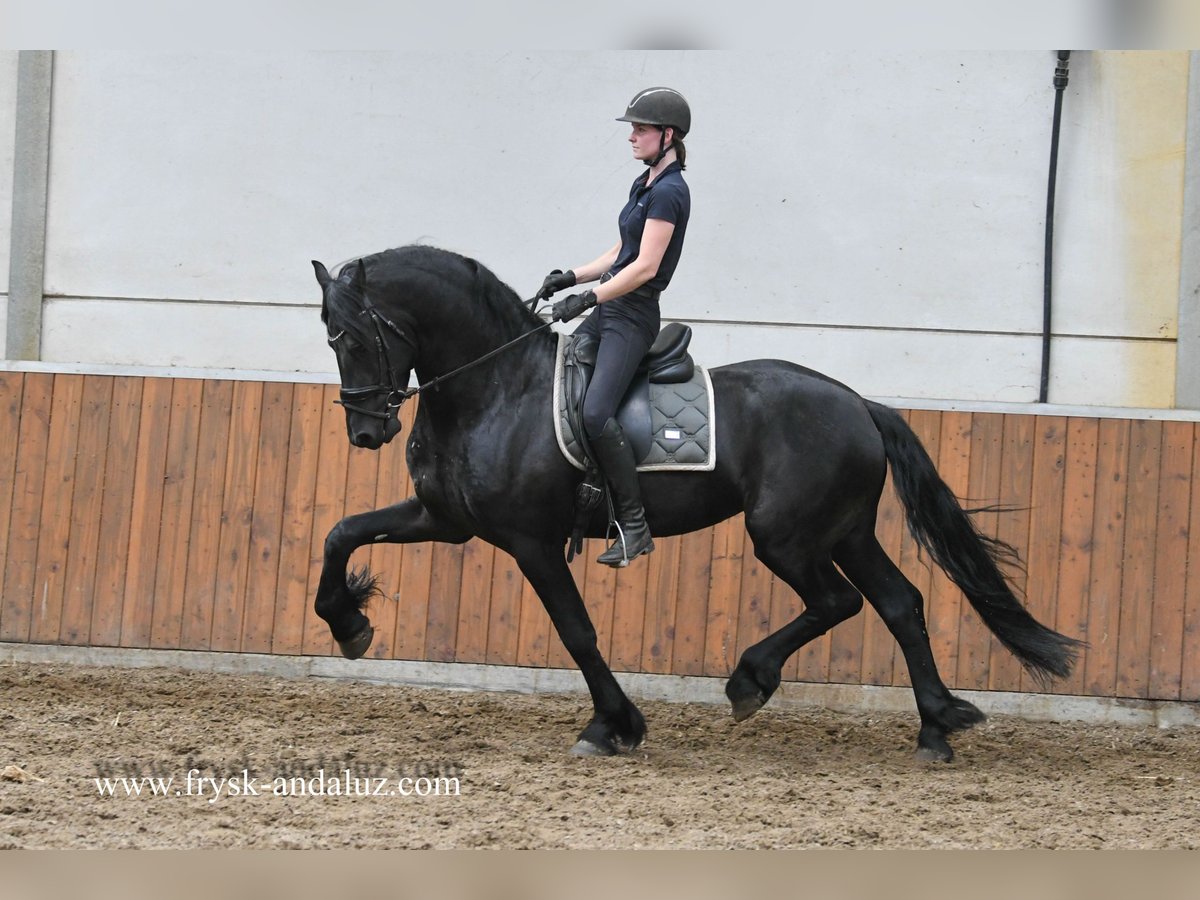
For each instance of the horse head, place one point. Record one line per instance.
(375, 356)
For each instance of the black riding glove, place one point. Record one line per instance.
(555, 282)
(569, 307)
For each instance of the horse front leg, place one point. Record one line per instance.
(341, 597)
(617, 726)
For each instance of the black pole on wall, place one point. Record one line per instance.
(1060, 85)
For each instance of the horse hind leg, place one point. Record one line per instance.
(900, 605)
(828, 599)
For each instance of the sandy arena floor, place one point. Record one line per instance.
(782, 779)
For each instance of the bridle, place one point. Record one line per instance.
(394, 393)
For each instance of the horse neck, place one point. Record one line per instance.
(454, 331)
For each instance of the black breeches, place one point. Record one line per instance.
(623, 344)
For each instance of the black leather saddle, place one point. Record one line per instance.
(666, 362)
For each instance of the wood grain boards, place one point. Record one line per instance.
(151, 512)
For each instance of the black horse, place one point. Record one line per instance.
(803, 457)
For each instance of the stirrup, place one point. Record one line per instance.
(620, 546)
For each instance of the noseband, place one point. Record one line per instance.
(394, 393)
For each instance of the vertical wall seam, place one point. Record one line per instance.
(1187, 349)
(31, 165)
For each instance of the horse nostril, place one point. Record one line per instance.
(362, 439)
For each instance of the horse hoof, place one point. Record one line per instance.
(587, 748)
(355, 647)
(931, 755)
(745, 707)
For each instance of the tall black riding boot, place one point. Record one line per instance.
(616, 459)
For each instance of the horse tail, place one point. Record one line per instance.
(969, 557)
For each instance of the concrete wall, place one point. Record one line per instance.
(8, 115)
(877, 217)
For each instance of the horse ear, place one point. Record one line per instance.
(358, 277)
(323, 278)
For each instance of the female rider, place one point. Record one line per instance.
(632, 274)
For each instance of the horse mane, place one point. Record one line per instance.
(493, 302)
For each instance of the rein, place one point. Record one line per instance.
(435, 381)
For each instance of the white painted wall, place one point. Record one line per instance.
(877, 217)
(8, 112)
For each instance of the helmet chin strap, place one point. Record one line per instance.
(662, 149)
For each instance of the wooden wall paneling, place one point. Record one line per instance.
(410, 606)
(84, 540)
(786, 607)
(329, 507)
(879, 647)
(266, 525)
(237, 516)
(1189, 686)
(1137, 566)
(629, 613)
(153, 467)
(293, 593)
(1166, 612)
(974, 638)
(1075, 555)
(662, 595)
(946, 606)
(533, 635)
(208, 498)
(474, 609)
(386, 560)
(412, 602)
(175, 529)
(691, 608)
(504, 611)
(913, 561)
(599, 595)
(1044, 546)
(1017, 484)
(754, 604)
(445, 593)
(55, 517)
(362, 483)
(724, 594)
(359, 496)
(846, 649)
(11, 389)
(149, 465)
(116, 516)
(1104, 610)
(29, 448)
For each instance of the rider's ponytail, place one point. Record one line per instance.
(680, 151)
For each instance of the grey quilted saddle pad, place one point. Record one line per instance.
(683, 431)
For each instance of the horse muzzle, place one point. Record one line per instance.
(370, 428)
(368, 434)
(391, 428)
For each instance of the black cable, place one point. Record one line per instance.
(1060, 84)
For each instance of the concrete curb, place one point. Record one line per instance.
(672, 688)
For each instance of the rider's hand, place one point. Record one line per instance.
(569, 307)
(555, 282)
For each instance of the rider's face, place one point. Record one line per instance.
(645, 140)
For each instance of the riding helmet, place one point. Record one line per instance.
(660, 106)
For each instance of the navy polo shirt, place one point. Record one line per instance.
(667, 198)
